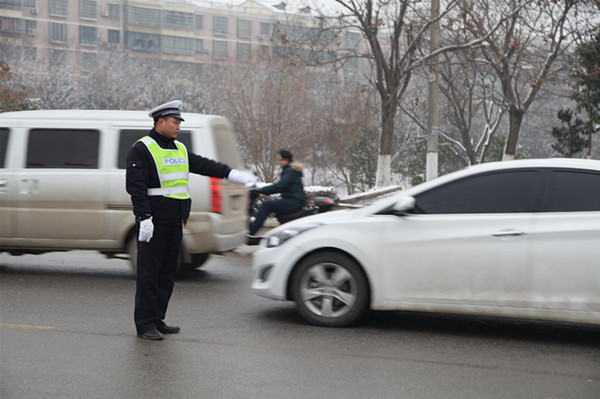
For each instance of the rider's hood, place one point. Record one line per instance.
(297, 166)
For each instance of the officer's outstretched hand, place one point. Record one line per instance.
(146, 230)
(241, 176)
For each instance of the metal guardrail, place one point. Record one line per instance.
(355, 200)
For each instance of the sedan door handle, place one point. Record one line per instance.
(508, 233)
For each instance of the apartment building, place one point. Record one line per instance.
(53, 32)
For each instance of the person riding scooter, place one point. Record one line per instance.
(289, 185)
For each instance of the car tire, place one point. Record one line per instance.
(132, 252)
(330, 289)
(198, 260)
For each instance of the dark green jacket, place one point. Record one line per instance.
(289, 184)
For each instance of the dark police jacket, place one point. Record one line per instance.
(141, 174)
(289, 185)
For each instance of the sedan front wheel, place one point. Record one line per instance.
(330, 289)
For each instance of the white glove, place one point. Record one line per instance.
(146, 230)
(241, 176)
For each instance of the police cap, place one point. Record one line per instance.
(172, 108)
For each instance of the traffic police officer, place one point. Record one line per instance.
(157, 180)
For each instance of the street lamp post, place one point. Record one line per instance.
(433, 97)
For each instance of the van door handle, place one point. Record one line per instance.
(30, 186)
(508, 233)
(3, 185)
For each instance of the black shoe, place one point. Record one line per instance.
(165, 329)
(253, 240)
(153, 335)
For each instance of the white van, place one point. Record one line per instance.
(62, 183)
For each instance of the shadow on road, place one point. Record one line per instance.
(485, 327)
(453, 325)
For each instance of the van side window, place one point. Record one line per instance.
(63, 148)
(3, 145)
(225, 143)
(127, 138)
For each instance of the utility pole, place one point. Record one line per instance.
(433, 118)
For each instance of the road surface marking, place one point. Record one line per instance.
(26, 326)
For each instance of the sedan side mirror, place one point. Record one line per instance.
(404, 204)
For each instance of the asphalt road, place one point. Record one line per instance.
(66, 331)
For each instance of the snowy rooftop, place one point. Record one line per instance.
(275, 6)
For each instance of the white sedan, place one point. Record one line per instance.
(515, 239)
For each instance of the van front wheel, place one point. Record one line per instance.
(198, 260)
(132, 252)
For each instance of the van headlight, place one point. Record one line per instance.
(282, 236)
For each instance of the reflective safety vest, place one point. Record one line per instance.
(172, 168)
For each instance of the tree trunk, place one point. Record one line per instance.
(384, 160)
(515, 119)
(384, 170)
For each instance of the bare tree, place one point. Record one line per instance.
(473, 110)
(351, 117)
(13, 97)
(522, 51)
(269, 101)
(121, 82)
(396, 32)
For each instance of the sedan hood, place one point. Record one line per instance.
(340, 215)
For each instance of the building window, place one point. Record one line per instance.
(220, 48)
(88, 61)
(265, 28)
(114, 11)
(88, 9)
(352, 63)
(114, 36)
(58, 8)
(11, 25)
(142, 42)
(199, 21)
(264, 52)
(10, 4)
(29, 3)
(244, 28)
(178, 45)
(88, 35)
(142, 16)
(58, 32)
(243, 51)
(30, 27)
(29, 54)
(220, 25)
(178, 20)
(352, 40)
(58, 58)
(200, 47)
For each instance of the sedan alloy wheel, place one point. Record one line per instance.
(330, 289)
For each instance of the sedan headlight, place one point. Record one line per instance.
(282, 236)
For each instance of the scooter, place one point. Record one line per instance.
(315, 206)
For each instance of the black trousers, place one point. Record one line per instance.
(157, 264)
